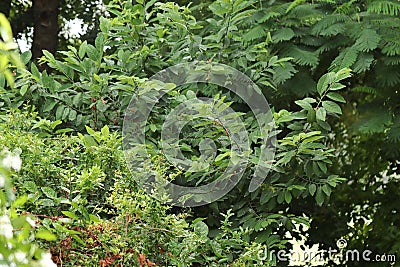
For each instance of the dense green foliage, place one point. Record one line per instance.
(330, 70)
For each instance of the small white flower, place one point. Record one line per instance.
(19, 257)
(6, 228)
(11, 161)
(45, 261)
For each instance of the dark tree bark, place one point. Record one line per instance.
(45, 33)
(5, 7)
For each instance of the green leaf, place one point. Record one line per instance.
(324, 125)
(105, 131)
(65, 113)
(337, 97)
(26, 57)
(288, 197)
(322, 166)
(326, 189)
(59, 112)
(101, 106)
(306, 103)
(72, 115)
(49, 105)
(90, 130)
(23, 90)
(312, 188)
(77, 99)
(35, 72)
(321, 114)
(332, 107)
(70, 214)
(221, 156)
(311, 115)
(49, 192)
(46, 235)
(319, 197)
(99, 42)
(324, 82)
(30, 186)
(201, 229)
(287, 157)
(82, 50)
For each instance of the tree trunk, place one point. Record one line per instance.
(45, 33)
(5, 7)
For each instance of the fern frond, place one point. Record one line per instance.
(379, 20)
(283, 72)
(329, 25)
(393, 133)
(345, 59)
(387, 75)
(366, 90)
(312, 41)
(294, 4)
(306, 12)
(345, 8)
(391, 61)
(384, 7)
(302, 84)
(368, 40)
(281, 8)
(301, 56)
(284, 34)
(391, 47)
(374, 121)
(363, 62)
(263, 16)
(333, 43)
(254, 33)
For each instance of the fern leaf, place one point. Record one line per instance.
(368, 40)
(391, 47)
(302, 84)
(366, 90)
(306, 12)
(345, 59)
(294, 4)
(384, 7)
(301, 56)
(283, 72)
(329, 25)
(373, 121)
(363, 62)
(312, 41)
(345, 8)
(387, 75)
(332, 43)
(264, 16)
(255, 33)
(391, 61)
(284, 34)
(394, 132)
